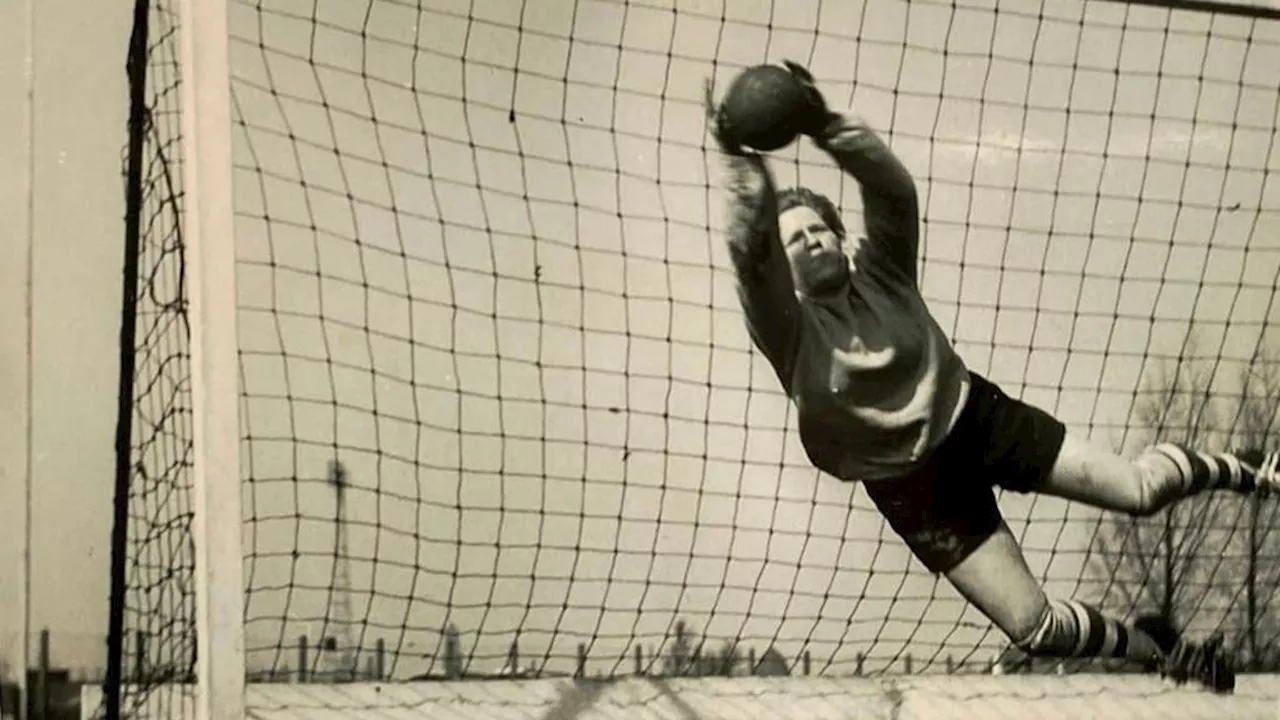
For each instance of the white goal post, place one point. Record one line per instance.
(209, 227)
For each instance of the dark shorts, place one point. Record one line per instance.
(945, 509)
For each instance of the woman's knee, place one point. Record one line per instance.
(1154, 486)
(1098, 476)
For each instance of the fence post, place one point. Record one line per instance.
(42, 677)
(302, 658)
(139, 657)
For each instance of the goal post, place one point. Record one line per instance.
(215, 381)
(176, 625)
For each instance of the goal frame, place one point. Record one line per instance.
(208, 224)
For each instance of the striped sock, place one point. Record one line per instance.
(1073, 629)
(1097, 634)
(1207, 471)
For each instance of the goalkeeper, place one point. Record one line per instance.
(883, 398)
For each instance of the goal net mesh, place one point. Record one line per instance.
(480, 270)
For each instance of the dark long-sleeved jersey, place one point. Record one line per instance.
(875, 394)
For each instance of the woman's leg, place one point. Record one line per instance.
(995, 579)
(1088, 473)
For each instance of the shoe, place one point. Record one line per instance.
(1159, 629)
(1263, 468)
(1257, 470)
(1207, 663)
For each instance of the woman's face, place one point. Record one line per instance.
(818, 265)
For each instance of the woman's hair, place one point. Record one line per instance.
(821, 204)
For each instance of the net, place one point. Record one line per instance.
(500, 412)
(151, 642)
(480, 263)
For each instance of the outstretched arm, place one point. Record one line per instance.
(890, 207)
(889, 204)
(765, 288)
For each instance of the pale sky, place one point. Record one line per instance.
(80, 111)
(523, 340)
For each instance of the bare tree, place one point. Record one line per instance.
(730, 657)
(1150, 563)
(680, 657)
(1210, 561)
(1257, 428)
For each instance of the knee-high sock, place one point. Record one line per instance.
(1074, 629)
(1202, 471)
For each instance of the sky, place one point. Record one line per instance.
(76, 222)
(480, 262)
